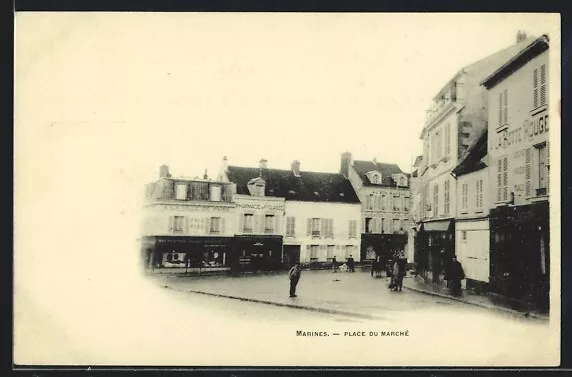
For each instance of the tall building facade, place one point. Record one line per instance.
(454, 123)
(385, 197)
(518, 149)
(188, 222)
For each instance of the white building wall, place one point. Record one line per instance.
(341, 213)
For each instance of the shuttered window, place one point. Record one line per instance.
(290, 226)
(527, 173)
(248, 223)
(500, 110)
(543, 85)
(505, 178)
(499, 180)
(505, 107)
(448, 139)
(464, 196)
(535, 89)
(447, 197)
(479, 194)
(269, 224)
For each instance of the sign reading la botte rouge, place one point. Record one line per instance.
(529, 130)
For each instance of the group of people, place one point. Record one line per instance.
(350, 263)
(396, 270)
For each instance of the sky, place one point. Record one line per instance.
(103, 99)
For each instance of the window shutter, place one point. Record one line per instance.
(293, 225)
(323, 224)
(363, 225)
(331, 227)
(505, 178)
(309, 227)
(323, 253)
(527, 173)
(186, 225)
(535, 88)
(547, 166)
(222, 225)
(278, 224)
(308, 252)
(505, 113)
(207, 225)
(240, 223)
(171, 223)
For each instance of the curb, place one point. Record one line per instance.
(490, 307)
(293, 306)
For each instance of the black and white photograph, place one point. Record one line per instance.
(287, 189)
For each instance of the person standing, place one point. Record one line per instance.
(351, 265)
(294, 275)
(335, 264)
(454, 276)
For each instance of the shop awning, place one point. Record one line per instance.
(437, 226)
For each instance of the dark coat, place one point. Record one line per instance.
(294, 273)
(455, 272)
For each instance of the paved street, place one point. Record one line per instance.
(141, 322)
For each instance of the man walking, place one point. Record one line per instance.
(294, 275)
(335, 264)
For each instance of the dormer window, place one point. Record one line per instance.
(374, 177)
(257, 186)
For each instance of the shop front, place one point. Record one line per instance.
(192, 252)
(381, 247)
(257, 253)
(436, 248)
(520, 252)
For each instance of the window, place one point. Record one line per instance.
(479, 194)
(464, 235)
(313, 253)
(269, 224)
(500, 110)
(381, 224)
(390, 202)
(353, 228)
(181, 191)
(539, 87)
(401, 181)
(199, 191)
(502, 179)
(446, 192)
(436, 200)
(396, 225)
(383, 202)
(330, 252)
(397, 204)
(248, 222)
(315, 227)
(464, 196)
(375, 179)
(290, 226)
(368, 225)
(215, 225)
(178, 222)
(216, 193)
(369, 201)
(377, 202)
(348, 250)
(542, 169)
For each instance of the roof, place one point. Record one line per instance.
(308, 187)
(418, 160)
(472, 162)
(386, 170)
(537, 47)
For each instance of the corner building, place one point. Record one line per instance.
(518, 147)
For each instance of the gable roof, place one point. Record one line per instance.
(386, 170)
(472, 162)
(308, 187)
(537, 47)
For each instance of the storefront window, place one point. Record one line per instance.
(213, 258)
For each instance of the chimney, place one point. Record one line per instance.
(164, 171)
(346, 163)
(225, 164)
(206, 176)
(263, 164)
(520, 36)
(296, 168)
